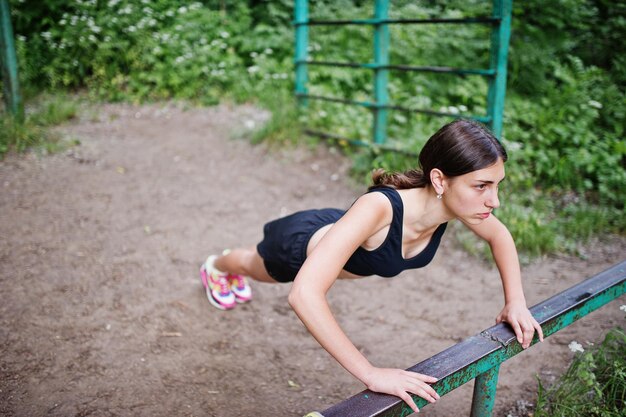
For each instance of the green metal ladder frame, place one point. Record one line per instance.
(8, 61)
(500, 20)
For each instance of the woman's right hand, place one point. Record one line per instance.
(401, 383)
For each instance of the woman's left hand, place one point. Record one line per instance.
(522, 322)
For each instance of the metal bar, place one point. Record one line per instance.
(8, 59)
(372, 105)
(302, 38)
(381, 75)
(358, 142)
(480, 353)
(500, 35)
(459, 71)
(478, 19)
(484, 397)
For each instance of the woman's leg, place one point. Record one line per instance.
(246, 262)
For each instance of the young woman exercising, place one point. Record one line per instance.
(396, 225)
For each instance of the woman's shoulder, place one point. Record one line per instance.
(375, 204)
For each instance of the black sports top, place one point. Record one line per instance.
(387, 260)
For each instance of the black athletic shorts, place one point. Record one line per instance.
(285, 241)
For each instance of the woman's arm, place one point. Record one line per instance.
(369, 214)
(504, 253)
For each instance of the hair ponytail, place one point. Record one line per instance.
(460, 147)
(413, 178)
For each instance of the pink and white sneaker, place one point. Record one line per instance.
(240, 287)
(216, 284)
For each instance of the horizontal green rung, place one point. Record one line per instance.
(315, 22)
(459, 71)
(360, 143)
(373, 105)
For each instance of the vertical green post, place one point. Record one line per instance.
(381, 75)
(8, 60)
(301, 14)
(500, 36)
(484, 396)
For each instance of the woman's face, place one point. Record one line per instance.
(471, 197)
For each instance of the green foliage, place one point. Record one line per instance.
(565, 113)
(34, 131)
(594, 385)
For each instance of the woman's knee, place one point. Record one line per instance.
(256, 267)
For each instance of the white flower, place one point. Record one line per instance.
(595, 104)
(46, 35)
(623, 308)
(268, 51)
(575, 347)
(463, 108)
(224, 34)
(253, 69)
(182, 10)
(179, 59)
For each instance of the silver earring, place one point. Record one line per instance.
(439, 196)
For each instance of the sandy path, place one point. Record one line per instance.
(103, 314)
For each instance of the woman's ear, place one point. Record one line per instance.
(437, 179)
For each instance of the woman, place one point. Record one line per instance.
(396, 225)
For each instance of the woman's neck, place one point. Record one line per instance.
(422, 209)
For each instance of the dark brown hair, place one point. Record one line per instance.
(457, 148)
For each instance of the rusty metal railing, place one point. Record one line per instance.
(479, 357)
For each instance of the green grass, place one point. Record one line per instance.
(593, 386)
(42, 113)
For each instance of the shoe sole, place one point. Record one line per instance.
(242, 300)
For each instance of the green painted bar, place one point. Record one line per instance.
(381, 75)
(375, 21)
(8, 60)
(500, 36)
(441, 70)
(484, 352)
(301, 13)
(485, 386)
(372, 105)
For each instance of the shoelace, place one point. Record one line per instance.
(222, 283)
(238, 280)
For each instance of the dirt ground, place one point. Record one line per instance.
(102, 312)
